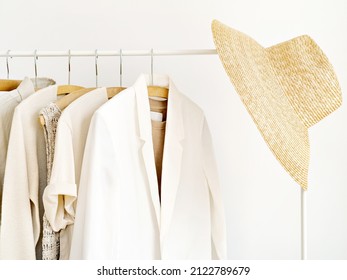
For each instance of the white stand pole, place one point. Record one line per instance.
(303, 225)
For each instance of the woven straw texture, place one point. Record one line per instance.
(286, 89)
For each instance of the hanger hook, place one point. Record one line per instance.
(35, 64)
(152, 67)
(121, 67)
(96, 67)
(7, 64)
(69, 66)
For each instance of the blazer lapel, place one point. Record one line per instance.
(173, 149)
(145, 134)
(172, 158)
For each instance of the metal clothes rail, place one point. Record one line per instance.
(106, 53)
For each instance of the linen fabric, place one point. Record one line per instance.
(8, 102)
(60, 195)
(25, 175)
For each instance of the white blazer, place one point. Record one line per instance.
(119, 215)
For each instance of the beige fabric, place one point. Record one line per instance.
(60, 195)
(8, 102)
(50, 238)
(25, 174)
(286, 88)
(158, 135)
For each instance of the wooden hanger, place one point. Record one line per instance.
(66, 100)
(72, 95)
(155, 91)
(113, 91)
(8, 85)
(66, 89)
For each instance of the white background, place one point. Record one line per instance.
(262, 201)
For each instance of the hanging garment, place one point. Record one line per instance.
(25, 175)
(8, 102)
(50, 238)
(59, 197)
(119, 215)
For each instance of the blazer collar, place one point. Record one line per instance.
(172, 156)
(174, 105)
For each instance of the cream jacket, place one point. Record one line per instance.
(60, 195)
(25, 174)
(119, 215)
(8, 102)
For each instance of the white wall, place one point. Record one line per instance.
(262, 201)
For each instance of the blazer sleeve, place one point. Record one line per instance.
(96, 212)
(218, 226)
(61, 193)
(17, 240)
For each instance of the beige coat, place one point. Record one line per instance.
(25, 173)
(8, 102)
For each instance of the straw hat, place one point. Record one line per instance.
(286, 89)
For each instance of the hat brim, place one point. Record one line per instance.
(264, 80)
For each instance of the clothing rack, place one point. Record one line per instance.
(96, 53)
